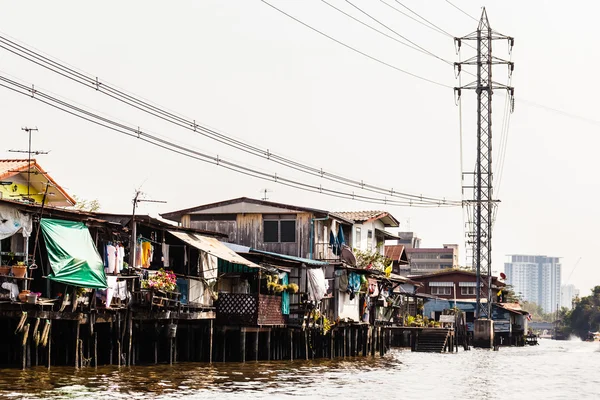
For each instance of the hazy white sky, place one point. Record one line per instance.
(249, 71)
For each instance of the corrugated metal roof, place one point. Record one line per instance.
(307, 261)
(394, 252)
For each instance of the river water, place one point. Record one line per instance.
(552, 370)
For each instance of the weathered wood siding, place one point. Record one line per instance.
(247, 230)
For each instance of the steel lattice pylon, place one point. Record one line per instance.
(483, 201)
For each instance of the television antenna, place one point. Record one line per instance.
(29, 153)
(136, 200)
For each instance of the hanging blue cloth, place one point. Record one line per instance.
(354, 281)
(285, 296)
(340, 237)
(334, 243)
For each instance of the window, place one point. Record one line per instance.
(468, 291)
(441, 290)
(279, 228)
(271, 231)
(446, 256)
(357, 238)
(369, 240)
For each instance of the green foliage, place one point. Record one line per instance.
(86, 205)
(372, 258)
(537, 312)
(584, 317)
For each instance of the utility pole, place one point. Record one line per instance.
(483, 201)
(136, 200)
(29, 153)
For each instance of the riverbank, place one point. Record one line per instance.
(552, 370)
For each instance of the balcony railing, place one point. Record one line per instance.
(249, 309)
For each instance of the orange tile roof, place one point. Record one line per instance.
(10, 168)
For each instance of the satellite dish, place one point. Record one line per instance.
(502, 275)
(347, 256)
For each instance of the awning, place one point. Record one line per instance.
(213, 247)
(73, 256)
(386, 234)
(441, 284)
(469, 284)
(306, 261)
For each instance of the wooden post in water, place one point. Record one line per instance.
(77, 344)
(49, 342)
(306, 343)
(331, 344)
(130, 327)
(269, 345)
(210, 344)
(224, 345)
(256, 339)
(111, 342)
(155, 336)
(243, 343)
(119, 339)
(291, 345)
(96, 349)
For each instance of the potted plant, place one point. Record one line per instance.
(164, 281)
(19, 270)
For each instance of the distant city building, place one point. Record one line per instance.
(424, 261)
(535, 279)
(567, 294)
(409, 240)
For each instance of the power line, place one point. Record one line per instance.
(356, 50)
(136, 132)
(420, 48)
(371, 27)
(432, 26)
(462, 11)
(424, 19)
(132, 101)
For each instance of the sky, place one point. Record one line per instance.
(248, 71)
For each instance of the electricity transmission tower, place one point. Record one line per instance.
(483, 202)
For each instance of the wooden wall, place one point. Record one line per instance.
(247, 230)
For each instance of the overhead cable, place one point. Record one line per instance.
(102, 87)
(136, 132)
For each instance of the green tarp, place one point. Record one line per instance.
(73, 256)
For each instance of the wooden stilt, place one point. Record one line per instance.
(130, 328)
(96, 349)
(269, 345)
(210, 344)
(256, 339)
(243, 344)
(156, 343)
(119, 352)
(331, 344)
(111, 343)
(77, 344)
(224, 345)
(306, 343)
(49, 344)
(291, 345)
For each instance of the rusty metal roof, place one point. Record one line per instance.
(395, 252)
(365, 216)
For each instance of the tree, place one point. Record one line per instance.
(86, 205)
(585, 315)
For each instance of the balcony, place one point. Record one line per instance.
(249, 309)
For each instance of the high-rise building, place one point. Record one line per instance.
(424, 261)
(535, 279)
(567, 294)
